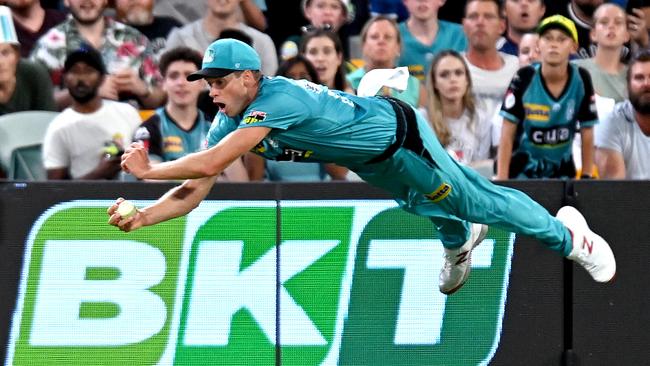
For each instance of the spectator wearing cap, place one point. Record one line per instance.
(132, 71)
(85, 141)
(424, 35)
(542, 107)
(24, 85)
(219, 16)
(32, 21)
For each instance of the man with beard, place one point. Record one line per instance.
(542, 107)
(139, 15)
(85, 141)
(623, 138)
(133, 73)
(522, 16)
(32, 21)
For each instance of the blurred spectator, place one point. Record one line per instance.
(623, 138)
(324, 50)
(424, 35)
(32, 21)
(24, 85)
(542, 107)
(219, 16)
(133, 73)
(581, 12)
(393, 9)
(180, 128)
(522, 16)
(184, 11)
(139, 15)
(381, 45)
(491, 70)
(298, 68)
(462, 127)
(638, 23)
(606, 69)
(331, 15)
(528, 49)
(87, 139)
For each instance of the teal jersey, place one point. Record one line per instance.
(546, 125)
(310, 122)
(417, 56)
(167, 141)
(411, 95)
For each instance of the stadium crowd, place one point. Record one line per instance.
(516, 89)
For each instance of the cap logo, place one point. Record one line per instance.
(237, 65)
(209, 56)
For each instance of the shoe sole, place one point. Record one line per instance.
(479, 240)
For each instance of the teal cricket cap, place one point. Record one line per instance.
(226, 56)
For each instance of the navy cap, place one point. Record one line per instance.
(86, 54)
(225, 56)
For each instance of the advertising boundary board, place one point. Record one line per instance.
(534, 322)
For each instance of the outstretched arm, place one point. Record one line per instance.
(176, 202)
(206, 163)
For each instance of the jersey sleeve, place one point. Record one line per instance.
(220, 128)
(512, 107)
(276, 111)
(587, 116)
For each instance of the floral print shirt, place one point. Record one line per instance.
(123, 46)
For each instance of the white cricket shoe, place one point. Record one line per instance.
(458, 262)
(589, 249)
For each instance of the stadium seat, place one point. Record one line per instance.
(21, 136)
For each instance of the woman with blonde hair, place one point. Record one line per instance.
(460, 122)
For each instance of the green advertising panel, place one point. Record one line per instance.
(345, 282)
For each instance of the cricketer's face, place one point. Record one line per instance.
(230, 93)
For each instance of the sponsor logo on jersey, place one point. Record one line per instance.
(550, 137)
(537, 112)
(254, 117)
(440, 193)
(173, 144)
